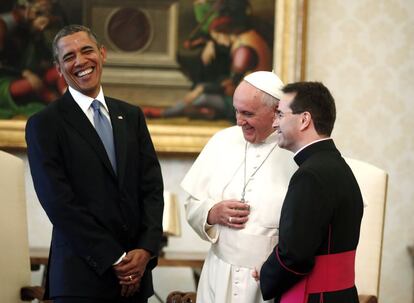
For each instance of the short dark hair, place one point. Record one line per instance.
(315, 98)
(69, 30)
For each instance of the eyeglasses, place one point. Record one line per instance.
(281, 115)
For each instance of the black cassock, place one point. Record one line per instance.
(321, 215)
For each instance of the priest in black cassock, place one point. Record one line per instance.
(322, 210)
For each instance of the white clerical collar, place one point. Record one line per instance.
(313, 142)
(84, 101)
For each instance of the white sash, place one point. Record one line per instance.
(244, 250)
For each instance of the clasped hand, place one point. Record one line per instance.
(231, 213)
(130, 271)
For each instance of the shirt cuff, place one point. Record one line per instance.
(119, 260)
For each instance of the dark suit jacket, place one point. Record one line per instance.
(96, 214)
(322, 211)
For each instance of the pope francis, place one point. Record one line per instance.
(236, 189)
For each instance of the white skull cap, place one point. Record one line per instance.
(266, 81)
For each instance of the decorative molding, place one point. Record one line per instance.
(176, 139)
(290, 39)
(181, 139)
(12, 134)
(161, 58)
(146, 77)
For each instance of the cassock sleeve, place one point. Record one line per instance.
(304, 220)
(197, 212)
(196, 183)
(212, 170)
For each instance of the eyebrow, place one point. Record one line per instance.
(245, 112)
(85, 48)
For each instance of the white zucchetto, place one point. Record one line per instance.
(266, 81)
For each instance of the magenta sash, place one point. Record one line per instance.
(331, 272)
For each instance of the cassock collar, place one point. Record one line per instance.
(313, 148)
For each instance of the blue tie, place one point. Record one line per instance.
(104, 130)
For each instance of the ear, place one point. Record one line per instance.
(102, 50)
(306, 120)
(57, 66)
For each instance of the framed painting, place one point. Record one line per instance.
(169, 57)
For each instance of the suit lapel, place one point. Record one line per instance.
(74, 115)
(120, 136)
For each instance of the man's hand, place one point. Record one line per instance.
(231, 213)
(131, 269)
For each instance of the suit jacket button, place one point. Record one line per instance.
(125, 227)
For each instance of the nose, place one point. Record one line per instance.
(240, 120)
(80, 59)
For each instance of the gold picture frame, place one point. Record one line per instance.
(289, 62)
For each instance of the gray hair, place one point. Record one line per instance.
(69, 30)
(268, 100)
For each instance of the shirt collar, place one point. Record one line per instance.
(85, 102)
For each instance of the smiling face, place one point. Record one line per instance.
(80, 62)
(287, 124)
(252, 114)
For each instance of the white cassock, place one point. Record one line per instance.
(217, 175)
